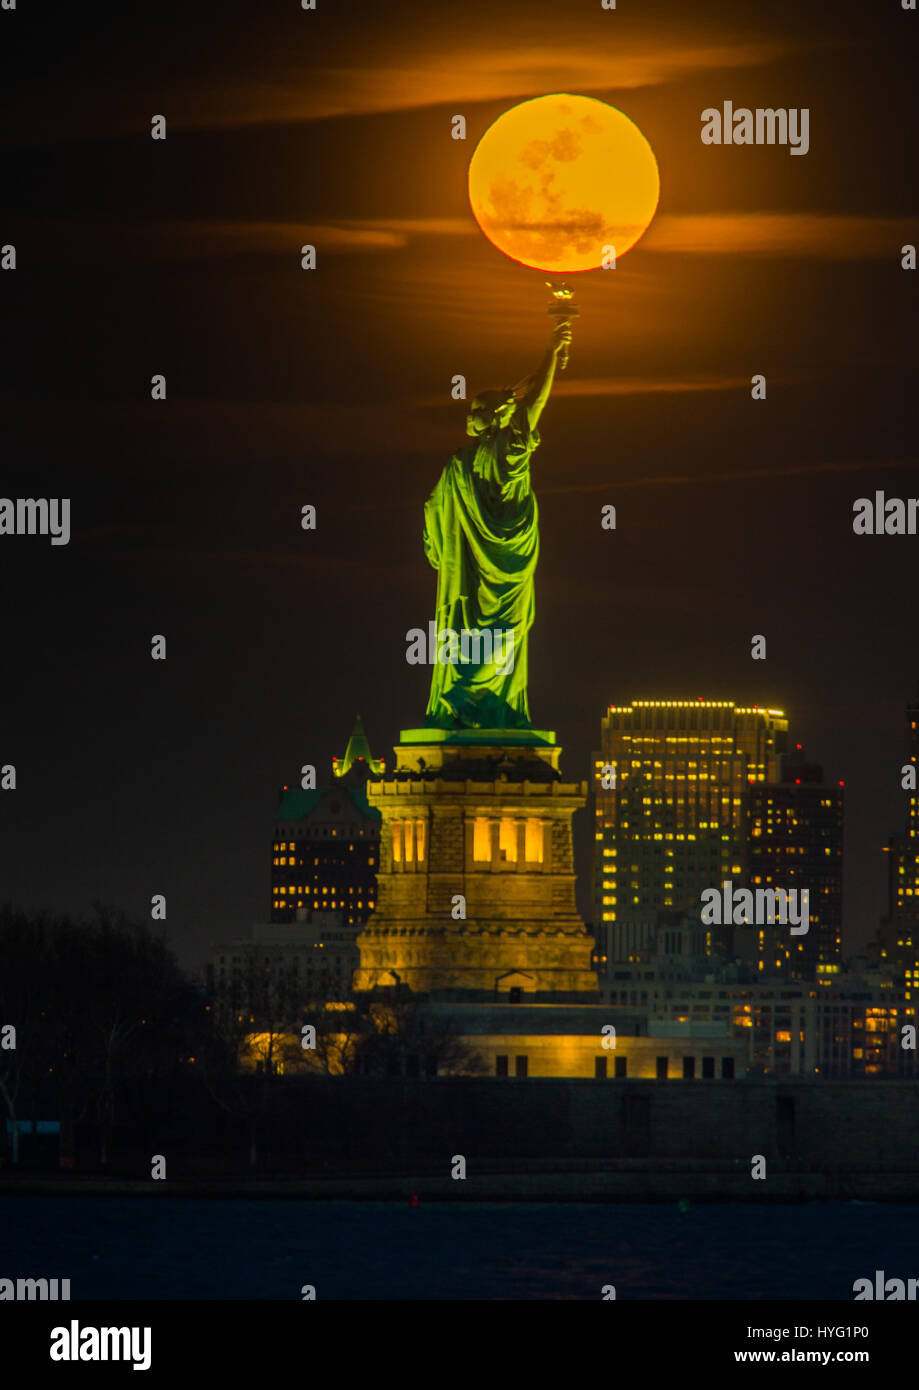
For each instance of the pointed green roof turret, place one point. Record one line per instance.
(358, 751)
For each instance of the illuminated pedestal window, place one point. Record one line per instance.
(507, 840)
(408, 841)
(534, 841)
(519, 840)
(481, 840)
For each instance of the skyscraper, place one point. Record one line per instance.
(326, 848)
(899, 935)
(671, 785)
(796, 841)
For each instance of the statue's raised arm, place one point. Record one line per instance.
(534, 390)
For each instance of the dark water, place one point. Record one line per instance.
(186, 1249)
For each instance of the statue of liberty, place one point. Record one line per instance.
(481, 535)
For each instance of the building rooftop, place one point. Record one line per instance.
(358, 751)
(547, 1019)
(296, 803)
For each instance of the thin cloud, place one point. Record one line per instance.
(766, 234)
(825, 236)
(814, 236)
(155, 243)
(736, 475)
(476, 75)
(641, 386)
(269, 87)
(626, 386)
(819, 236)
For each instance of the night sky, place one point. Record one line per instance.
(332, 387)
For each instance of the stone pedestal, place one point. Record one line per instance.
(475, 892)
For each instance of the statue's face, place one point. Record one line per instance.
(488, 412)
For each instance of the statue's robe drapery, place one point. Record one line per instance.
(481, 535)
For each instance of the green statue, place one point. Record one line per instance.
(481, 535)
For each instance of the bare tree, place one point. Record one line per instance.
(403, 1039)
(99, 1002)
(25, 1011)
(256, 1020)
(330, 1028)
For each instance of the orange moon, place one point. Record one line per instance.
(555, 180)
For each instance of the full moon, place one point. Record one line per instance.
(556, 179)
